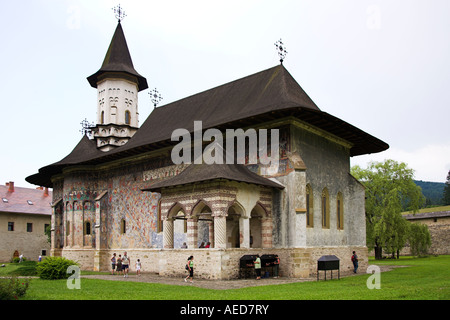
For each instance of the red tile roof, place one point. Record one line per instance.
(25, 200)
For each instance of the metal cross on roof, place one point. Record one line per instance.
(86, 127)
(155, 97)
(120, 14)
(281, 50)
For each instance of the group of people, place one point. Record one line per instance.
(257, 264)
(201, 246)
(121, 264)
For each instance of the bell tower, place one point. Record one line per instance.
(118, 84)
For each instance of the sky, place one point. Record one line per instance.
(380, 65)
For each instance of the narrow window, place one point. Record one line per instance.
(160, 222)
(123, 226)
(340, 211)
(87, 228)
(29, 227)
(127, 117)
(102, 119)
(309, 207)
(325, 209)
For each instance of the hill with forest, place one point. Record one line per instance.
(433, 191)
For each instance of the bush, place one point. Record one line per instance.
(53, 268)
(17, 260)
(13, 288)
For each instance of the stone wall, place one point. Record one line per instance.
(30, 244)
(217, 263)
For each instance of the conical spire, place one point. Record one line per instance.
(118, 60)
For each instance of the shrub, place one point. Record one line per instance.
(12, 288)
(53, 268)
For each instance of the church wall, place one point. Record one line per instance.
(328, 164)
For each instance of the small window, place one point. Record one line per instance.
(29, 227)
(87, 228)
(5, 200)
(127, 117)
(30, 202)
(10, 226)
(123, 226)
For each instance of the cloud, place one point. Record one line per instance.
(430, 163)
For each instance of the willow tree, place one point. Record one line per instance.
(390, 189)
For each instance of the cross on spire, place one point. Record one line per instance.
(281, 49)
(86, 127)
(119, 13)
(155, 97)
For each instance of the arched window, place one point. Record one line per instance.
(127, 117)
(309, 207)
(325, 209)
(340, 211)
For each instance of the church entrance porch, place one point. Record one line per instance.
(225, 214)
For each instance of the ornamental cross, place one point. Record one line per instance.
(155, 97)
(281, 49)
(120, 14)
(86, 127)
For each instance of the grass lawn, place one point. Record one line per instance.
(423, 279)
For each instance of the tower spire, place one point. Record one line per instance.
(118, 84)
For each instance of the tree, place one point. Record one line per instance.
(419, 239)
(446, 195)
(390, 189)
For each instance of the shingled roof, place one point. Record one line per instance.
(195, 173)
(265, 96)
(118, 60)
(25, 200)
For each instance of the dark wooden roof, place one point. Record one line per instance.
(256, 99)
(196, 173)
(118, 60)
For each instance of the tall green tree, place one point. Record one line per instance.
(390, 189)
(446, 195)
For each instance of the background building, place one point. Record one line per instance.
(24, 215)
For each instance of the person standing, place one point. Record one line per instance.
(355, 262)
(190, 268)
(125, 264)
(276, 265)
(257, 263)
(113, 263)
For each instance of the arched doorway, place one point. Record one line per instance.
(234, 229)
(202, 214)
(256, 226)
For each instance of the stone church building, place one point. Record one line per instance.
(120, 190)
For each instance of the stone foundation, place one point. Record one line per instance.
(217, 264)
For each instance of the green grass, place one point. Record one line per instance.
(423, 279)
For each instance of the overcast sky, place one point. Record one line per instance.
(382, 66)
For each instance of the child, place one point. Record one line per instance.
(138, 267)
